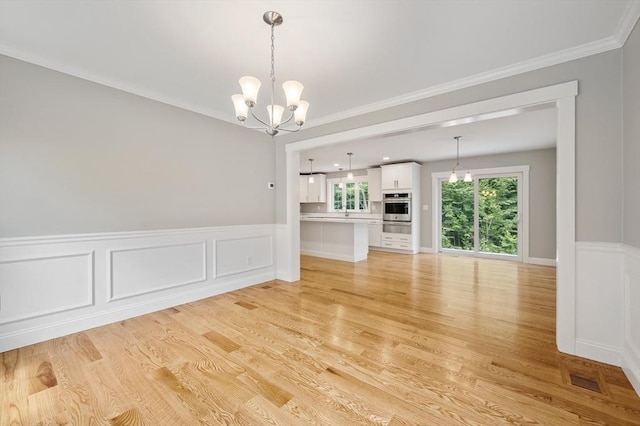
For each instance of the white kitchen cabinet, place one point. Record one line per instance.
(397, 241)
(375, 234)
(400, 176)
(374, 177)
(304, 188)
(315, 192)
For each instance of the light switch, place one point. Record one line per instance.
(425, 207)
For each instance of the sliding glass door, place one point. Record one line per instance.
(482, 217)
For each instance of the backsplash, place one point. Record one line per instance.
(376, 208)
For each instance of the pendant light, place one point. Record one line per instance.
(453, 178)
(350, 174)
(340, 184)
(311, 179)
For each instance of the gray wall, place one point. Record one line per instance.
(542, 195)
(78, 157)
(598, 133)
(631, 136)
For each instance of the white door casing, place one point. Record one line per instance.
(562, 97)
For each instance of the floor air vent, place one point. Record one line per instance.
(582, 382)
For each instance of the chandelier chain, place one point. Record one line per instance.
(273, 72)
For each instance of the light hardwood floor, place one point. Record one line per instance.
(418, 340)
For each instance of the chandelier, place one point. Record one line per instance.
(453, 178)
(245, 102)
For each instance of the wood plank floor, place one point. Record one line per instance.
(398, 340)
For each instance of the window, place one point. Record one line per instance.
(352, 195)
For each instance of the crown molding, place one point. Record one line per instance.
(629, 18)
(114, 84)
(616, 41)
(622, 32)
(566, 55)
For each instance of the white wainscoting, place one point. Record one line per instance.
(631, 350)
(54, 286)
(599, 297)
(608, 306)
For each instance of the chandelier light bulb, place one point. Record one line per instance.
(276, 118)
(301, 112)
(467, 177)
(453, 178)
(292, 90)
(241, 107)
(250, 87)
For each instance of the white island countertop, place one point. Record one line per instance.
(338, 219)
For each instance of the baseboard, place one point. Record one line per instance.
(333, 256)
(541, 261)
(631, 350)
(54, 286)
(599, 352)
(24, 337)
(631, 369)
(428, 250)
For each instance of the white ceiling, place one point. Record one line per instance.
(353, 56)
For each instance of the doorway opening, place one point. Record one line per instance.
(560, 96)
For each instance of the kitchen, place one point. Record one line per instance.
(343, 215)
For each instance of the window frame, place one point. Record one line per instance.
(357, 180)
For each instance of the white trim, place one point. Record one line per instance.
(476, 111)
(631, 318)
(616, 41)
(115, 84)
(334, 256)
(627, 22)
(150, 280)
(566, 224)
(97, 236)
(599, 352)
(427, 250)
(563, 97)
(599, 301)
(330, 193)
(542, 261)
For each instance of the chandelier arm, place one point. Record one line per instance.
(258, 118)
(288, 119)
(290, 130)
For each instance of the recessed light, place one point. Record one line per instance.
(385, 158)
(336, 165)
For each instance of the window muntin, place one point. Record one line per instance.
(354, 195)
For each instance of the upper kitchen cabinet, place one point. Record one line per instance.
(313, 192)
(374, 177)
(400, 176)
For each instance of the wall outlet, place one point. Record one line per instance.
(425, 207)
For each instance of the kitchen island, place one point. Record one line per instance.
(335, 238)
